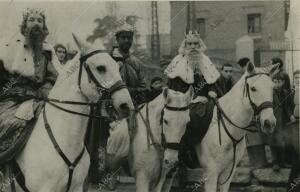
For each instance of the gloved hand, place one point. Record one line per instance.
(212, 94)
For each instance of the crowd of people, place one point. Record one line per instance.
(35, 62)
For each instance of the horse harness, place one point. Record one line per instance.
(71, 165)
(221, 115)
(163, 144)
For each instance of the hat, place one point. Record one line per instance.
(125, 28)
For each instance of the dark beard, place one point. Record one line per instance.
(36, 36)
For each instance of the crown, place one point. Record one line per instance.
(30, 11)
(192, 34)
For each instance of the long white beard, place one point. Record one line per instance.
(194, 60)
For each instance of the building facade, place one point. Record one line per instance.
(222, 23)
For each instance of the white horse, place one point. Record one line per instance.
(43, 167)
(154, 148)
(252, 94)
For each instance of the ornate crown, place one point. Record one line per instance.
(30, 11)
(192, 34)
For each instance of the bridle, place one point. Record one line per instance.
(109, 91)
(262, 106)
(221, 115)
(164, 143)
(71, 165)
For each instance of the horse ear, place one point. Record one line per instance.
(81, 44)
(250, 68)
(274, 69)
(165, 93)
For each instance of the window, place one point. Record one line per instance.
(254, 23)
(200, 27)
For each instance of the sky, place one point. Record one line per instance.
(66, 17)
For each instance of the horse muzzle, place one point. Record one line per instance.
(267, 121)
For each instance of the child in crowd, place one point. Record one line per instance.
(282, 111)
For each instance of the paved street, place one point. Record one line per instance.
(131, 188)
(128, 186)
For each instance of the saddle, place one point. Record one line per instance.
(13, 139)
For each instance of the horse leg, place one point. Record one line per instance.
(162, 180)
(223, 176)
(168, 182)
(142, 182)
(211, 183)
(225, 173)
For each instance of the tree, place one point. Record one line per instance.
(106, 28)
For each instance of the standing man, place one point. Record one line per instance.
(132, 74)
(255, 141)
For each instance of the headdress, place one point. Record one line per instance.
(30, 11)
(125, 27)
(192, 35)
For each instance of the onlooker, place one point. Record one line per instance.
(225, 81)
(61, 53)
(295, 171)
(155, 88)
(288, 100)
(287, 85)
(254, 141)
(282, 112)
(296, 83)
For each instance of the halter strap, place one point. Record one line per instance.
(264, 105)
(82, 60)
(177, 108)
(115, 87)
(71, 165)
(164, 143)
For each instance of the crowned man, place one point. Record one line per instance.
(191, 67)
(26, 68)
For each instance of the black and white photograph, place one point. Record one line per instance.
(149, 96)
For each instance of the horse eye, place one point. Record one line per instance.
(166, 122)
(253, 89)
(101, 69)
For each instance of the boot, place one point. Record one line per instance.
(113, 164)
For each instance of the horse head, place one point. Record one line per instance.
(259, 92)
(174, 121)
(99, 74)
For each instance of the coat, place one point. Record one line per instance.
(282, 112)
(132, 73)
(22, 75)
(222, 86)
